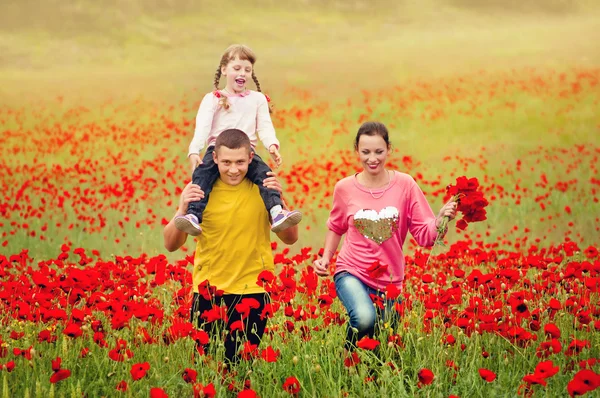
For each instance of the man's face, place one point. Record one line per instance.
(233, 164)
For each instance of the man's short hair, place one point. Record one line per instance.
(233, 139)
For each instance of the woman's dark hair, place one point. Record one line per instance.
(371, 129)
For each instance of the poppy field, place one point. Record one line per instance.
(92, 305)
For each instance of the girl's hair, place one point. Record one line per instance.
(371, 129)
(242, 52)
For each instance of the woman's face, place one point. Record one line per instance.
(372, 152)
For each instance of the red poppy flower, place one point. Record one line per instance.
(265, 278)
(426, 376)
(351, 360)
(189, 375)
(487, 375)
(138, 370)
(46, 336)
(56, 364)
(156, 392)
(207, 391)
(237, 325)
(122, 386)
(546, 369)
(548, 348)
(249, 350)
(291, 385)
(270, 355)
(535, 379)
(462, 224)
(10, 366)
(583, 382)
(376, 270)
(367, 343)
(576, 347)
(552, 330)
(59, 375)
(200, 337)
(247, 394)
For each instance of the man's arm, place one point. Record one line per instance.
(174, 238)
(289, 236)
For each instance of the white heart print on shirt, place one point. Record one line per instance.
(377, 227)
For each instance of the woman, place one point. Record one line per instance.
(374, 208)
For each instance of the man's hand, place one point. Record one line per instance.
(191, 193)
(272, 182)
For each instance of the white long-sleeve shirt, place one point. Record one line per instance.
(248, 111)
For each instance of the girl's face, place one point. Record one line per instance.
(237, 72)
(372, 152)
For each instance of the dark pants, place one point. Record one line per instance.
(254, 326)
(207, 174)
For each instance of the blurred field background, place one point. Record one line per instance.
(86, 49)
(328, 65)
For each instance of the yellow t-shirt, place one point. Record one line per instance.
(235, 245)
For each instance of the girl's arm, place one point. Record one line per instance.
(264, 124)
(204, 121)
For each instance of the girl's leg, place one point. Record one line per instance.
(354, 295)
(204, 176)
(257, 172)
(281, 219)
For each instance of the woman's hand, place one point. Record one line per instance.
(191, 193)
(321, 266)
(195, 161)
(448, 210)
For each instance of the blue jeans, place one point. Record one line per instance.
(363, 314)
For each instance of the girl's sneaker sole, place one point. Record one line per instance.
(294, 219)
(187, 226)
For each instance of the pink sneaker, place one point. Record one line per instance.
(286, 219)
(188, 224)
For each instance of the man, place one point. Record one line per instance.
(234, 247)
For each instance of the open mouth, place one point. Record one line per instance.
(240, 81)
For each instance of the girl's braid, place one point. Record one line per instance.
(217, 77)
(258, 89)
(222, 99)
(256, 82)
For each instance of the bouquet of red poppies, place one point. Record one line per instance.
(471, 204)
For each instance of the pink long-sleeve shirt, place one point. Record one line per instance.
(248, 112)
(376, 223)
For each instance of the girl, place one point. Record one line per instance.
(374, 208)
(234, 107)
